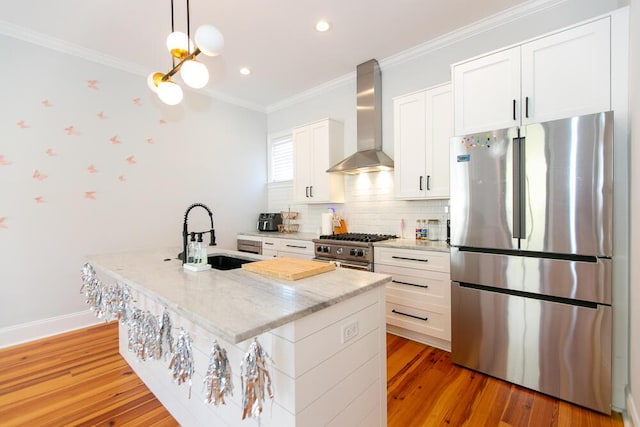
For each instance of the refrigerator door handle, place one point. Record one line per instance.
(519, 190)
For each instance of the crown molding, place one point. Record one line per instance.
(34, 37)
(483, 25)
(463, 33)
(313, 92)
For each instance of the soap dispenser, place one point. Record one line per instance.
(191, 249)
(200, 254)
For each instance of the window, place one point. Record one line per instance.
(281, 158)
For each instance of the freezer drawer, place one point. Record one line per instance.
(561, 278)
(558, 349)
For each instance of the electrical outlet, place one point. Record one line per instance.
(349, 331)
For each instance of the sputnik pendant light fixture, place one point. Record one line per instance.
(194, 74)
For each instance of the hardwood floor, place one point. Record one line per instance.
(79, 379)
(425, 389)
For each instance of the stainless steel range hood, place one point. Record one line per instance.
(369, 156)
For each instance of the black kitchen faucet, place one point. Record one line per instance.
(185, 231)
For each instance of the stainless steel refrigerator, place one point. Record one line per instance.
(531, 237)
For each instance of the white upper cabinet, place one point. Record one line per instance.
(567, 74)
(317, 147)
(486, 91)
(561, 75)
(422, 128)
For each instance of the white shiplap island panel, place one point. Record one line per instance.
(317, 378)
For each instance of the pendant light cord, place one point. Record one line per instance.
(188, 31)
(173, 59)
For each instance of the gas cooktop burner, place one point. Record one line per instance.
(358, 237)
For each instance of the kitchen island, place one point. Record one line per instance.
(325, 335)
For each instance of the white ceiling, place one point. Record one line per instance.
(275, 38)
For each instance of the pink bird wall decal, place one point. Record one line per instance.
(114, 140)
(162, 122)
(93, 84)
(131, 160)
(122, 178)
(138, 102)
(50, 152)
(92, 169)
(39, 199)
(101, 116)
(39, 175)
(46, 103)
(2, 224)
(150, 141)
(91, 195)
(71, 130)
(4, 162)
(22, 124)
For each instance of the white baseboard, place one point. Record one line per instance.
(632, 413)
(24, 332)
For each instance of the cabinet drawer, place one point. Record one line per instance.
(424, 321)
(287, 247)
(269, 243)
(422, 260)
(417, 288)
(300, 246)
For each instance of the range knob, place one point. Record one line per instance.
(353, 252)
(339, 251)
(360, 252)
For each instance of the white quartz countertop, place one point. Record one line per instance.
(421, 245)
(235, 305)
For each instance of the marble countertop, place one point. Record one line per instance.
(421, 245)
(234, 305)
(277, 235)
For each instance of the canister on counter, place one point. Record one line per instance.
(433, 226)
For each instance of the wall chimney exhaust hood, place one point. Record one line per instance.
(369, 156)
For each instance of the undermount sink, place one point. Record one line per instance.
(225, 262)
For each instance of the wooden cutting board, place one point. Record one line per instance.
(288, 268)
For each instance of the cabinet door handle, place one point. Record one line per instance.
(409, 259)
(409, 315)
(526, 107)
(296, 246)
(428, 182)
(420, 182)
(311, 191)
(268, 243)
(410, 284)
(514, 109)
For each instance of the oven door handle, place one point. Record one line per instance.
(338, 263)
(363, 267)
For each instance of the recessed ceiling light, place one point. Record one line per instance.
(245, 71)
(323, 26)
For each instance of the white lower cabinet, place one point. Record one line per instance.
(292, 248)
(418, 299)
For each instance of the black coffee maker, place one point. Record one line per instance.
(269, 221)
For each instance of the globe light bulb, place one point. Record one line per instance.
(209, 40)
(153, 80)
(194, 74)
(178, 44)
(170, 93)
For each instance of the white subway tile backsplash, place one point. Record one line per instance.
(370, 207)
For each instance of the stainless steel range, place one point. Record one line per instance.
(349, 250)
